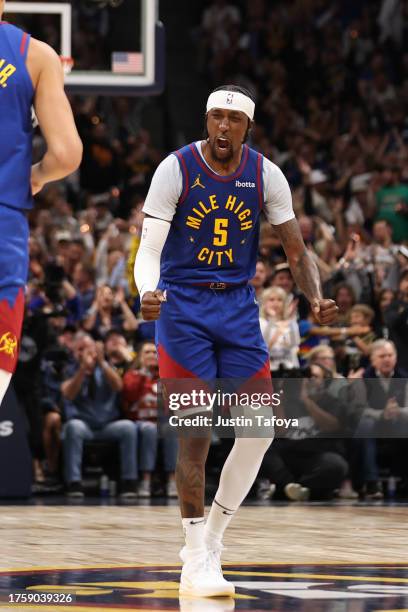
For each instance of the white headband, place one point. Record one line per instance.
(233, 100)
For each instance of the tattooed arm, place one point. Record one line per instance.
(305, 271)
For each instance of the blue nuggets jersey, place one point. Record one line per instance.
(16, 98)
(214, 232)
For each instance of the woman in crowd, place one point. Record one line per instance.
(279, 329)
(385, 299)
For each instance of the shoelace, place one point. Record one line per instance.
(209, 559)
(214, 557)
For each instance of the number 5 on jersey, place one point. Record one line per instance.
(220, 232)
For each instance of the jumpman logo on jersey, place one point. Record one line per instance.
(198, 183)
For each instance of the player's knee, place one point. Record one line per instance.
(253, 446)
(264, 443)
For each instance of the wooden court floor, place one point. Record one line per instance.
(68, 536)
(42, 541)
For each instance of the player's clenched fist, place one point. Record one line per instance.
(325, 311)
(151, 304)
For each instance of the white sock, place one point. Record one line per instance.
(194, 532)
(237, 477)
(5, 378)
(217, 522)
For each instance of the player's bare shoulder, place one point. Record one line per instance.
(41, 57)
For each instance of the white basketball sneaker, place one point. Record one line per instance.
(201, 575)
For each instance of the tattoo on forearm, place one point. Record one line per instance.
(304, 269)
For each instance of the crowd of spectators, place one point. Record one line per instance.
(331, 84)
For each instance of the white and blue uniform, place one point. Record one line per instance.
(209, 325)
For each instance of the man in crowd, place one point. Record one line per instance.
(306, 462)
(91, 408)
(385, 394)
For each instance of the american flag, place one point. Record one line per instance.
(125, 62)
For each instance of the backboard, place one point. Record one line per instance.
(117, 45)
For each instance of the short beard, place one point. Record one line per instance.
(222, 160)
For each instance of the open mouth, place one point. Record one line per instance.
(223, 144)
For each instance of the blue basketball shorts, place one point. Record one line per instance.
(210, 334)
(14, 258)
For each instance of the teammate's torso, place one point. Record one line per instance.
(16, 97)
(214, 233)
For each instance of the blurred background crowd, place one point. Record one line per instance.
(331, 84)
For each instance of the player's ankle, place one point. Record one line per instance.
(194, 530)
(213, 543)
(213, 538)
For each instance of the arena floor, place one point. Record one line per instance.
(304, 558)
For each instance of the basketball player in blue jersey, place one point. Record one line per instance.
(198, 251)
(30, 74)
